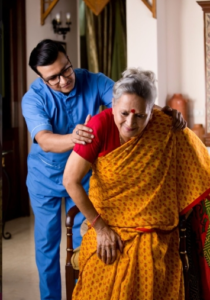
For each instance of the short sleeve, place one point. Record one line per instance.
(105, 87)
(33, 110)
(90, 151)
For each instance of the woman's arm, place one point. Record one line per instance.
(58, 143)
(107, 240)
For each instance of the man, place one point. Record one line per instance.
(55, 108)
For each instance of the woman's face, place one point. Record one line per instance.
(131, 115)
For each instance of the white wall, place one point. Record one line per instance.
(35, 32)
(192, 59)
(146, 42)
(185, 55)
(161, 52)
(141, 36)
(172, 46)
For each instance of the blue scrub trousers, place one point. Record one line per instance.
(47, 212)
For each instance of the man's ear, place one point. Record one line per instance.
(42, 79)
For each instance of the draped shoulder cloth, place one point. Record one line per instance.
(140, 189)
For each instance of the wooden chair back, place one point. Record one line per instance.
(71, 274)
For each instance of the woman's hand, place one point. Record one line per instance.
(108, 241)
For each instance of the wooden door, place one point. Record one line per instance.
(14, 140)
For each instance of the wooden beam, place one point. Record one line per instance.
(45, 13)
(154, 10)
(206, 31)
(151, 7)
(96, 5)
(204, 4)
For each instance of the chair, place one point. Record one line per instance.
(183, 254)
(72, 275)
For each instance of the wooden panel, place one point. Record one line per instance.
(46, 8)
(96, 5)
(14, 127)
(205, 5)
(151, 5)
(206, 16)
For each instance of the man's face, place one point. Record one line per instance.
(60, 66)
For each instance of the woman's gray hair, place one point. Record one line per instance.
(136, 81)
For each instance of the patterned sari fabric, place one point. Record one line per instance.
(140, 189)
(198, 251)
(200, 228)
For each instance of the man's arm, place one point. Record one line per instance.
(50, 142)
(41, 130)
(178, 121)
(57, 143)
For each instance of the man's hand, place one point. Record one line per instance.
(178, 122)
(82, 134)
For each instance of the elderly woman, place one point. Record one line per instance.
(144, 176)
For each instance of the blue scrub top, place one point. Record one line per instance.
(46, 109)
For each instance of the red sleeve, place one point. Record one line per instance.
(90, 151)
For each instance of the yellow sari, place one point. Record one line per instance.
(140, 189)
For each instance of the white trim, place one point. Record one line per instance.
(39, 126)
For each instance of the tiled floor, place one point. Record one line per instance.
(20, 277)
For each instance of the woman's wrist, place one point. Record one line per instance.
(99, 224)
(94, 221)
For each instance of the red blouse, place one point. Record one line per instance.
(106, 137)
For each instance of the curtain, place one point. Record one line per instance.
(93, 61)
(106, 39)
(119, 61)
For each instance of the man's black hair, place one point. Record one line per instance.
(45, 54)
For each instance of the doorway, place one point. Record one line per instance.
(14, 133)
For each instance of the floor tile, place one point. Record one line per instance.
(20, 277)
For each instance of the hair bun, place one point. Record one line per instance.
(133, 72)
